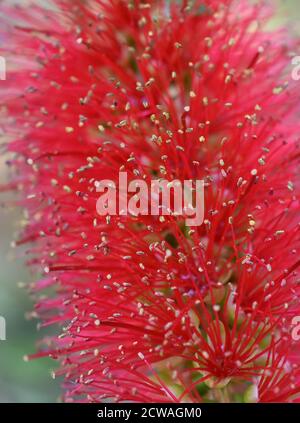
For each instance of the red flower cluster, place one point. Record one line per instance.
(152, 310)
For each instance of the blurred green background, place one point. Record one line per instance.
(22, 381)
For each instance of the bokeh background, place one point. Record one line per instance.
(22, 381)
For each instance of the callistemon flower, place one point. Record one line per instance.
(147, 308)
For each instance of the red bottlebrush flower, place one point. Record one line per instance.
(150, 309)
